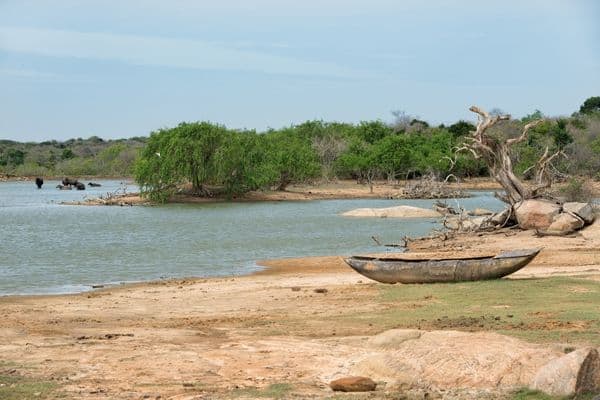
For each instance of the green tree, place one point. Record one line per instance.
(14, 157)
(242, 163)
(289, 159)
(394, 155)
(461, 128)
(184, 154)
(67, 154)
(590, 105)
(560, 134)
(373, 131)
(360, 161)
(537, 114)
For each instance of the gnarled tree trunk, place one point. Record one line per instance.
(496, 154)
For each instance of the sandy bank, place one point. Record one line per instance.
(294, 323)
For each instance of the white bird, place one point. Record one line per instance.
(158, 154)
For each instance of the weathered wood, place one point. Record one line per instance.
(418, 268)
(496, 154)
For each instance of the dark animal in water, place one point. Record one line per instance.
(39, 182)
(63, 187)
(80, 186)
(93, 184)
(69, 182)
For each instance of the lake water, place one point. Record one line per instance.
(47, 248)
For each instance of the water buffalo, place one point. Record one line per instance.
(39, 182)
(69, 182)
(79, 185)
(63, 187)
(93, 184)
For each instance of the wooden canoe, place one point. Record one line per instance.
(411, 269)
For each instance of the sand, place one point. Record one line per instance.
(215, 337)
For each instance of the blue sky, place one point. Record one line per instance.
(71, 68)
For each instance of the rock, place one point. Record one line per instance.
(392, 338)
(464, 224)
(565, 223)
(479, 212)
(353, 384)
(451, 360)
(575, 373)
(393, 212)
(320, 290)
(536, 214)
(582, 210)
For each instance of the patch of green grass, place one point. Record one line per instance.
(274, 391)
(553, 309)
(14, 387)
(529, 394)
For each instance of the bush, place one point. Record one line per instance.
(577, 190)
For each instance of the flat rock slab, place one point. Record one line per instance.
(393, 212)
(409, 359)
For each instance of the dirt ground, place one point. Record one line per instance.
(290, 326)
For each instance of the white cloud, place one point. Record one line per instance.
(27, 73)
(41, 76)
(160, 51)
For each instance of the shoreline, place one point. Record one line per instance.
(270, 267)
(314, 265)
(336, 190)
(339, 190)
(300, 322)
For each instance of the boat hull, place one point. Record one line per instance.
(398, 270)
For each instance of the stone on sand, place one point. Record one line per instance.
(353, 384)
(536, 214)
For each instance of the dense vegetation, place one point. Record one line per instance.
(75, 157)
(208, 158)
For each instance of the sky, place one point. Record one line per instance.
(117, 68)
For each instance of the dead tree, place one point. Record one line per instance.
(495, 152)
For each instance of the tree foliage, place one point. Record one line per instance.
(590, 105)
(204, 158)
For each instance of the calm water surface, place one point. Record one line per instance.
(46, 247)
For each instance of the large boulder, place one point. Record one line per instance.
(565, 223)
(582, 210)
(536, 214)
(393, 212)
(575, 373)
(446, 360)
